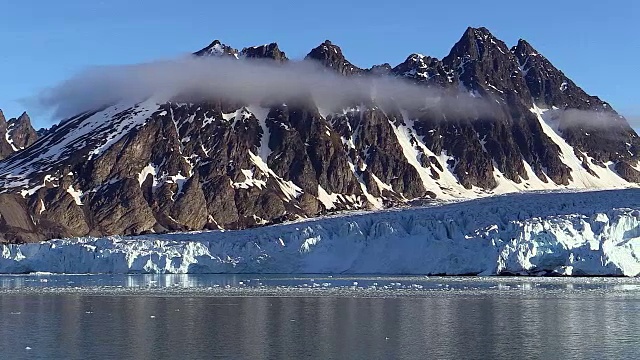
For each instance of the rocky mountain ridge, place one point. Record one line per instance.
(15, 134)
(157, 166)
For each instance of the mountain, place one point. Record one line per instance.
(156, 166)
(15, 134)
(331, 56)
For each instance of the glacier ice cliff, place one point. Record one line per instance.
(581, 233)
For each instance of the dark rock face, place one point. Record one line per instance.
(15, 223)
(120, 208)
(487, 66)
(57, 211)
(548, 85)
(270, 51)
(382, 69)
(216, 48)
(331, 56)
(15, 134)
(21, 131)
(377, 151)
(627, 172)
(43, 131)
(499, 139)
(211, 164)
(5, 148)
(423, 68)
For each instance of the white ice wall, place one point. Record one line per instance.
(588, 233)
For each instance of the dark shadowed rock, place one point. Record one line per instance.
(269, 51)
(627, 171)
(15, 134)
(56, 212)
(189, 207)
(5, 147)
(330, 55)
(382, 69)
(120, 208)
(15, 223)
(21, 132)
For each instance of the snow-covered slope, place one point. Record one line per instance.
(584, 233)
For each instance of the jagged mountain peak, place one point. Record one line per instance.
(381, 69)
(325, 47)
(266, 51)
(484, 64)
(23, 118)
(217, 48)
(420, 60)
(15, 134)
(477, 43)
(331, 56)
(479, 32)
(548, 85)
(21, 131)
(422, 68)
(523, 47)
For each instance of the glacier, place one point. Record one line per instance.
(592, 233)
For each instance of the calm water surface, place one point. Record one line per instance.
(194, 317)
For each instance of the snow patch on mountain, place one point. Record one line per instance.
(76, 194)
(328, 200)
(8, 138)
(146, 171)
(32, 190)
(405, 137)
(506, 186)
(606, 178)
(447, 186)
(289, 189)
(261, 113)
(138, 116)
(102, 129)
(588, 233)
(42, 207)
(249, 181)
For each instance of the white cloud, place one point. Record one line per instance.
(247, 81)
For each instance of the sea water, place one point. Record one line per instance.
(46, 316)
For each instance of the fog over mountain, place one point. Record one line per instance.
(249, 81)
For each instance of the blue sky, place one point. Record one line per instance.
(44, 42)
